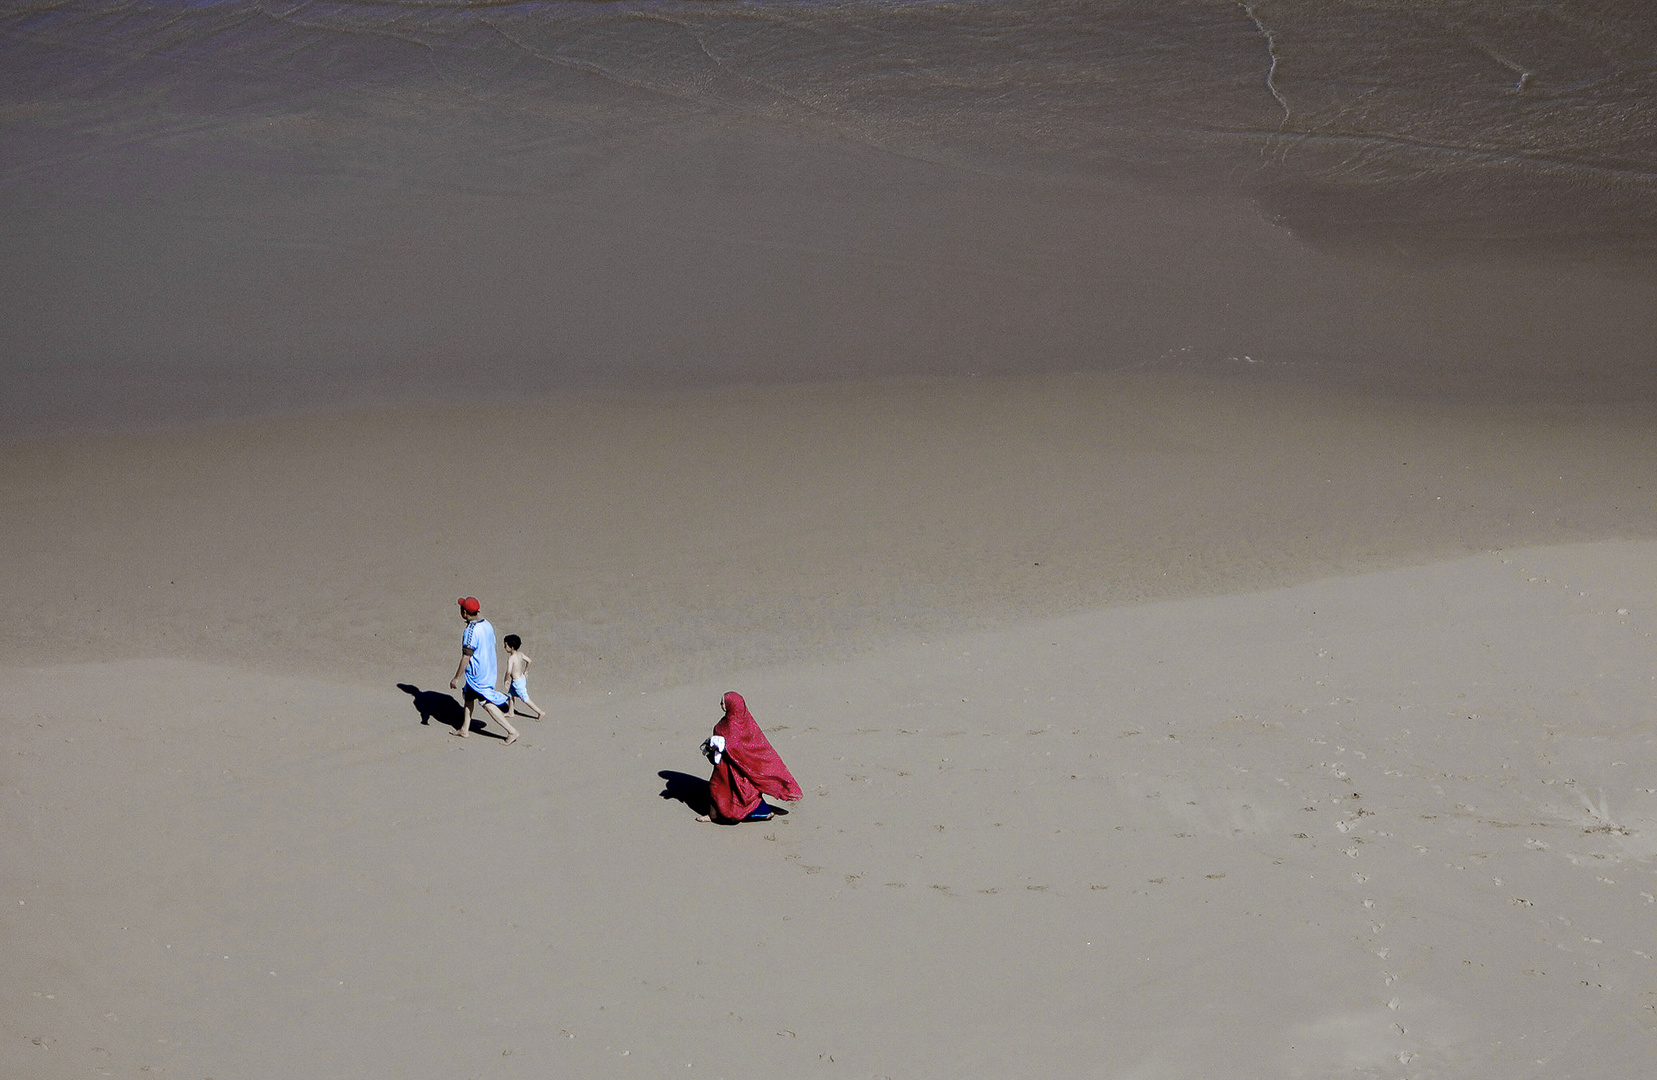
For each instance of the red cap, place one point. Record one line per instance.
(469, 604)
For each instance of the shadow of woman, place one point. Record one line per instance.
(688, 789)
(436, 705)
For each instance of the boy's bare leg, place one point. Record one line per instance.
(500, 718)
(532, 705)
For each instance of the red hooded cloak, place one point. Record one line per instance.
(749, 769)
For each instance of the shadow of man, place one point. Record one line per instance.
(435, 705)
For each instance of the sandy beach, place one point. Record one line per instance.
(1148, 729)
(1173, 480)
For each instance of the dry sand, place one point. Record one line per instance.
(1319, 743)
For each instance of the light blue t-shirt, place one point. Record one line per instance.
(481, 668)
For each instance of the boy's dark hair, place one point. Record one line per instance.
(513, 641)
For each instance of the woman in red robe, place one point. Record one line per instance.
(745, 767)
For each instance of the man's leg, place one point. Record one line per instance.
(465, 731)
(500, 718)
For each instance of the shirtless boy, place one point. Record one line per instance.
(517, 673)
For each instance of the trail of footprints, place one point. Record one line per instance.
(1329, 785)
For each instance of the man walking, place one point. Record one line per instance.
(478, 670)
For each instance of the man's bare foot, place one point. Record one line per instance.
(460, 734)
(512, 738)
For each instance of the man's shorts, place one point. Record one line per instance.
(472, 695)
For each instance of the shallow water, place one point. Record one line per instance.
(219, 209)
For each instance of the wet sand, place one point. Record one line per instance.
(1147, 728)
(649, 541)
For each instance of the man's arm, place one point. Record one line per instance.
(460, 672)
